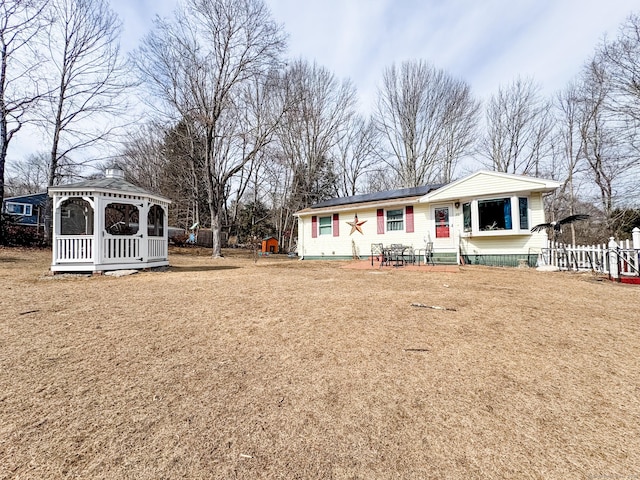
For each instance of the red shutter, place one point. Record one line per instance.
(336, 224)
(314, 226)
(409, 215)
(380, 220)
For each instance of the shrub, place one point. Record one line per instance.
(13, 235)
(179, 240)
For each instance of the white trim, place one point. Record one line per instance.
(515, 217)
(536, 185)
(106, 192)
(27, 209)
(89, 267)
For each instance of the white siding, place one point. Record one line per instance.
(480, 186)
(484, 184)
(341, 246)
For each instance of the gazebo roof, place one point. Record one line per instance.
(113, 182)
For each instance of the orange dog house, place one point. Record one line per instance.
(270, 245)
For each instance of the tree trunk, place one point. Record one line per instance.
(216, 231)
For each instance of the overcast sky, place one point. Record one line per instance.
(487, 43)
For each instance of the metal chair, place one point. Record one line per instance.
(428, 253)
(397, 254)
(377, 251)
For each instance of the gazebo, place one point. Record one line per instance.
(108, 224)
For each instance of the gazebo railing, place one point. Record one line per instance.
(117, 249)
(74, 248)
(157, 248)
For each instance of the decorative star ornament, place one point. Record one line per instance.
(356, 225)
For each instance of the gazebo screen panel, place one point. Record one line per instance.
(121, 219)
(155, 221)
(76, 217)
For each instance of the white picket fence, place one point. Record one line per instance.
(615, 258)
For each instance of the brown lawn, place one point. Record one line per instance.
(286, 369)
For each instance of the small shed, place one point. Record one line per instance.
(108, 224)
(270, 245)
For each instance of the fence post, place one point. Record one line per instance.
(614, 267)
(635, 233)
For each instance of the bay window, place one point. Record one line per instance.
(496, 216)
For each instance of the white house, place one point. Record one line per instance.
(484, 218)
(108, 224)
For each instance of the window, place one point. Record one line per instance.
(23, 209)
(494, 214)
(395, 220)
(442, 222)
(466, 216)
(523, 204)
(325, 225)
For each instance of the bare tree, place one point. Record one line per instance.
(319, 108)
(519, 127)
(21, 21)
(426, 118)
(459, 129)
(168, 160)
(621, 58)
(261, 111)
(90, 76)
(356, 155)
(143, 157)
(567, 163)
(198, 65)
(31, 175)
(606, 140)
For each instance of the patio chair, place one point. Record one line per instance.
(428, 253)
(410, 255)
(397, 254)
(377, 251)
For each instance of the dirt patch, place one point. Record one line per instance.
(284, 369)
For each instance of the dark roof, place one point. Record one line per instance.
(378, 196)
(31, 198)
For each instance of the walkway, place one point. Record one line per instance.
(366, 265)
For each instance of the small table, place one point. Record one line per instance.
(399, 255)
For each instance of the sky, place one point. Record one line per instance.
(487, 43)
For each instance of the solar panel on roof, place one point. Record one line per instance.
(378, 196)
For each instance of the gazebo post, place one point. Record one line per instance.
(98, 229)
(144, 231)
(56, 226)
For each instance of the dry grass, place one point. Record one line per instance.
(286, 369)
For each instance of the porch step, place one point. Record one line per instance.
(444, 258)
